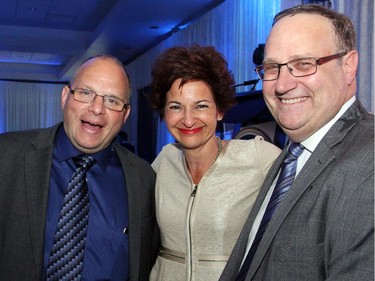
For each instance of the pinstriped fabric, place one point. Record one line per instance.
(66, 258)
(285, 180)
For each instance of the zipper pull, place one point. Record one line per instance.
(194, 191)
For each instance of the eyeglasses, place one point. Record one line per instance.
(298, 67)
(88, 96)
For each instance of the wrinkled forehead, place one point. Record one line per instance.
(103, 75)
(304, 34)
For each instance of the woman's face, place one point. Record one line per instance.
(191, 113)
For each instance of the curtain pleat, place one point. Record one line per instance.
(29, 105)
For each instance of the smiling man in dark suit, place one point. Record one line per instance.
(120, 240)
(322, 225)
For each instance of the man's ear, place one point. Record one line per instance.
(64, 96)
(350, 64)
(127, 113)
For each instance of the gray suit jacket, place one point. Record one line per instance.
(324, 227)
(25, 164)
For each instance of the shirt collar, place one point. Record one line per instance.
(65, 150)
(312, 142)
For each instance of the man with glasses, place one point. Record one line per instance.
(75, 204)
(314, 215)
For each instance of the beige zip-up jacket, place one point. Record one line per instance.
(200, 224)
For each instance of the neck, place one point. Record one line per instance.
(199, 163)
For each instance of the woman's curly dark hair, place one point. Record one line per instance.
(195, 63)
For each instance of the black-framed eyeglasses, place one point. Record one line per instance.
(298, 67)
(88, 96)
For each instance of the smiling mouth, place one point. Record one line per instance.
(189, 132)
(92, 124)
(292, 101)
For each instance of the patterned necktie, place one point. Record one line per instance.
(284, 182)
(66, 258)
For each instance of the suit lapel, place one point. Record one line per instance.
(132, 180)
(317, 162)
(38, 164)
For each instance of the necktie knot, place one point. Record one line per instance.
(84, 161)
(294, 151)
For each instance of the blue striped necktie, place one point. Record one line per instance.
(284, 182)
(66, 258)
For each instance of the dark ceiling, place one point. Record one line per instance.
(45, 40)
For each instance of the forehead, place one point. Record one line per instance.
(102, 73)
(190, 90)
(304, 34)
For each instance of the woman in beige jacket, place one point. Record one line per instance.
(205, 186)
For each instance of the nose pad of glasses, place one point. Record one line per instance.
(97, 103)
(290, 70)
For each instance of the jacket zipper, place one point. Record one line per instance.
(194, 191)
(190, 262)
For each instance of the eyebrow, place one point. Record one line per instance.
(197, 102)
(294, 57)
(104, 94)
(172, 101)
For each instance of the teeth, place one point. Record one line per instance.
(91, 124)
(296, 100)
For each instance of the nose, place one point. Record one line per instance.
(97, 105)
(188, 118)
(286, 80)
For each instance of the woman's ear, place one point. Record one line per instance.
(220, 116)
